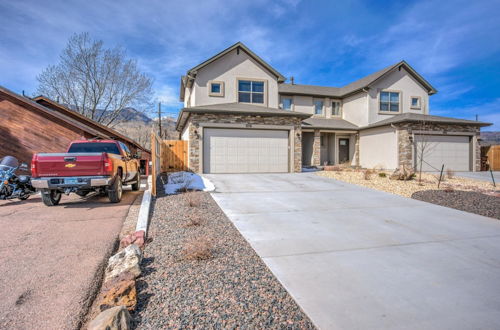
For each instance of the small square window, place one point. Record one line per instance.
(216, 88)
(415, 103)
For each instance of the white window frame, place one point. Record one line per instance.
(322, 107)
(221, 93)
(291, 104)
(264, 91)
(418, 106)
(333, 108)
(399, 102)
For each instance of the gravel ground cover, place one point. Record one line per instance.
(479, 197)
(231, 289)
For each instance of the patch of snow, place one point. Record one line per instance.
(309, 169)
(187, 180)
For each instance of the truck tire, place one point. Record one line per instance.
(51, 197)
(137, 183)
(115, 191)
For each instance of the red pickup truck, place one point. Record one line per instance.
(88, 165)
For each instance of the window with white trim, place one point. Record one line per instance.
(389, 102)
(336, 109)
(286, 103)
(415, 103)
(318, 107)
(216, 88)
(250, 91)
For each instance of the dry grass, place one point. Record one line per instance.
(448, 189)
(407, 188)
(450, 174)
(199, 248)
(367, 174)
(194, 219)
(192, 198)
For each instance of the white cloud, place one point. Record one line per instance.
(488, 112)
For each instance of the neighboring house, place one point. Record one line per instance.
(240, 116)
(36, 125)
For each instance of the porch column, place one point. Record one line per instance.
(316, 154)
(356, 150)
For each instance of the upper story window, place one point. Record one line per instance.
(389, 101)
(216, 88)
(250, 91)
(336, 109)
(318, 107)
(286, 103)
(415, 103)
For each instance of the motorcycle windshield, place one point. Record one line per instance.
(8, 162)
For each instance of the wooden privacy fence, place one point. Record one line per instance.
(174, 155)
(493, 155)
(167, 156)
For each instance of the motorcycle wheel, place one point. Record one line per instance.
(51, 197)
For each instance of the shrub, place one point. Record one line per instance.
(449, 173)
(192, 198)
(199, 248)
(194, 220)
(367, 174)
(382, 175)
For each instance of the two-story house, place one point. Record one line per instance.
(240, 116)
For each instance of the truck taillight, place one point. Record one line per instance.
(34, 165)
(108, 165)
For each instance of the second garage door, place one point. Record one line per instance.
(245, 151)
(452, 151)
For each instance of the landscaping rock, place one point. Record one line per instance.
(122, 294)
(137, 238)
(403, 173)
(126, 260)
(116, 318)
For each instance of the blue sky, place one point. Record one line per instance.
(455, 45)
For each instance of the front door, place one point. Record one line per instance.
(343, 150)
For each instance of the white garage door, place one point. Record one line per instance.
(245, 151)
(452, 151)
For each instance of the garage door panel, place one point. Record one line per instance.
(245, 151)
(452, 151)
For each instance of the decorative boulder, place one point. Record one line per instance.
(123, 293)
(137, 238)
(402, 173)
(116, 318)
(126, 260)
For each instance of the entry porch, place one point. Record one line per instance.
(329, 147)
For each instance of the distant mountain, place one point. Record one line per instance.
(131, 114)
(490, 137)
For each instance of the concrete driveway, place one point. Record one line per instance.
(482, 176)
(356, 258)
(49, 257)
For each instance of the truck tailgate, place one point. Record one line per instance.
(70, 164)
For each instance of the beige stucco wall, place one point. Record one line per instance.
(229, 69)
(378, 147)
(355, 109)
(407, 86)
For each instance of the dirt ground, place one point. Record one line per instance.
(49, 258)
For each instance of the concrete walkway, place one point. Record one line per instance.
(356, 258)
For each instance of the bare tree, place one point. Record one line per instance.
(96, 82)
(423, 146)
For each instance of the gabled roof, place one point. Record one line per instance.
(355, 86)
(332, 123)
(237, 109)
(416, 117)
(191, 73)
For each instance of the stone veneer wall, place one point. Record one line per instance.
(405, 149)
(195, 134)
(316, 156)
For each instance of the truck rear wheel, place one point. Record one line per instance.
(137, 183)
(115, 191)
(51, 197)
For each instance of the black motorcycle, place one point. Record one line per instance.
(12, 185)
